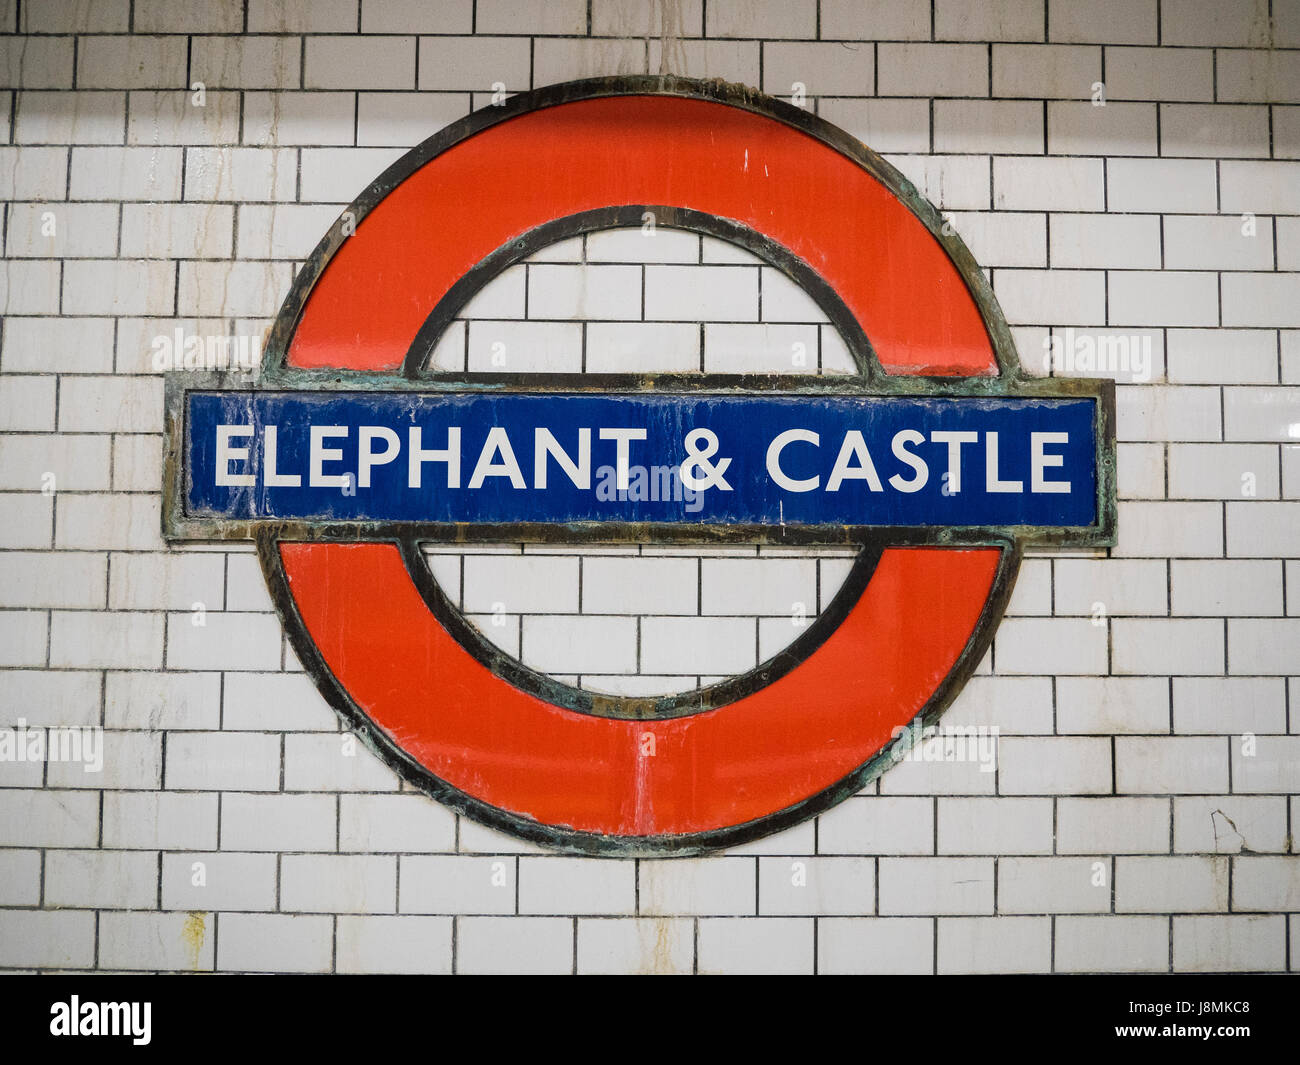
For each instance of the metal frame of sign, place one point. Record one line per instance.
(1009, 381)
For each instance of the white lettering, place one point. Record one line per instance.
(227, 454)
(271, 478)
(774, 449)
(854, 447)
(622, 446)
(419, 455)
(954, 440)
(544, 444)
(320, 454)
(367, 458)
(909, 436)
(497, 443)
(1039, 461)
(993, 482)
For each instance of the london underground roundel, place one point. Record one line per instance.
(937, 460)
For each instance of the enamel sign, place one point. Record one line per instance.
(937, 460)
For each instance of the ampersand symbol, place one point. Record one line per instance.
(700, 454)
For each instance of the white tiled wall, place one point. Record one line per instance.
(1143, 812)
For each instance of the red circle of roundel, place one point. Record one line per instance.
(599, 784)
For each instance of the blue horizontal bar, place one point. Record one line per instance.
(753, 459)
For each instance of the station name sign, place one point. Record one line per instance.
(801, 467)
(938, 460)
